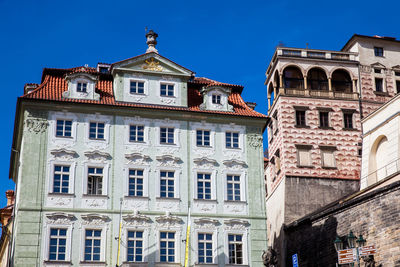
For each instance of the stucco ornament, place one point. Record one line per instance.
(168, 220)
(136, 219)
(255, 140)
(205, 162)
(152, 64)
(94, 219)
(63, 154)
(236, 224)
(97, 156)
(206, 223)
(270, 258)
(234, 164)
(60, 218)
(137, 158)
(168, 160)
(36, 125)
(61, 201)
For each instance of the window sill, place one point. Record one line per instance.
(233, 148)
(204, 146)
(205, 200)
(381, 93)
(302, 126)
(235, 202)
(97, 139)
(329, 168)
(168, 96)
(95, 196)
(350, 129)
(168, 199)
(304, 166)
(57, 263)
(167, 144)
(64, 137)
(137, 197)
(137, 142)
(325, 128)
(206, 265)
(62, 194)
(166, 264)
(92, 263)
(135, 264)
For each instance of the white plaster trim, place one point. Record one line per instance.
(72, 166)
(167, 123)
(105, 166)
(128, 121)
(97, 144)
(145, 247)
(177, 173)
(62, 142)
(66, 223)
(214, 233)
(178, 242)
(97, 156)
(63, 154)
(205, 170)
(146, 174)
(243, 184)
(95, 224)
(245, 244)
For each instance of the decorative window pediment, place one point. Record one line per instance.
(216, 98)
(168, 220)
(236, 224)
(81, 85)
(378, 65)
(63, 154)
(60, 218)
(205, 162)
(206, 223)
(234, 163)
(95, 219)
(168, 160)
(137, 158)
(136, 219)
(97, 156)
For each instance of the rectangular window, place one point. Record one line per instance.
(167, 89)
(95, 181)
(134, 246)
(235, 245)
(61, 179)
(203, 138)
(64, 128)
(167, 247)
(205, 248)
(397, 73)
(136, 133)
(135, 183)
(323, 119)
(348, 120)
(167, 184)
(300, 118)
(81, 87)
(232, 140)
(328, 158)
(233, 187)
(378, 70)
(216, 99)
(58, 244)
(136, 87)
(167, 135)
(378, 51)
(92, 245)
(378, 84)
(398, 86)
(96, 130)
(303, 157)
(204, 186)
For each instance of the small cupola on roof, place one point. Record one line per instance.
(81, 85)
(215, 97)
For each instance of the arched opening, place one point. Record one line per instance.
(317, 80)
(378, 160)
(276, 80)
(271, 94)
(293, 78)
(341, 81)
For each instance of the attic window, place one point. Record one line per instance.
(216, 99)
(137, 87)
(378, 51)
(166, 89)
(81, 87)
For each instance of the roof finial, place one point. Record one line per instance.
(151, 41)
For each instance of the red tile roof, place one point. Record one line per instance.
(54, 84)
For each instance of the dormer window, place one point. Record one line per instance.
(166, 89)
(216, 99)
(136, 87)
(81, 87)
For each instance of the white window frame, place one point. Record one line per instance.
(46, 241)
(232, 147)
(216, 95)
(106, 167)
(137, 81)
(167, 133)
(214, 244)
(97, 130)
(99, 119)
(243, 185)
(203, 126)
(71, 185)
(124, 237)
(177, 172)
(103, 241)
(174, 84)
(211, 137)
(129, 134)
(62, 116)
(89, 86)
(82, 82)
(146, 171)
(245, 246)
(178, 242)
(233, 128)
(128, 121)
(63, 136)
(213, 173)
(167, 124)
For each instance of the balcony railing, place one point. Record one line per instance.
(320, 54)
(380, 174)
(320, 93)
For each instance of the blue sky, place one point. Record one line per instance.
(230, 41)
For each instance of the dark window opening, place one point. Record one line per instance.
(348, 120)
(293, 78)
(316, 80)
(300, 118)
(378, 84)
(324, 119)
(378, 51)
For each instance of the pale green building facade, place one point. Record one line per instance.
(145, 139)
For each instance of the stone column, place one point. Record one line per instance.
(281, 88)
(354, 86)
(330, 87)
(306, 91)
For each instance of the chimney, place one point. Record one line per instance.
(151, 41)
(251, 105)
(10, 197)
(29, 87)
